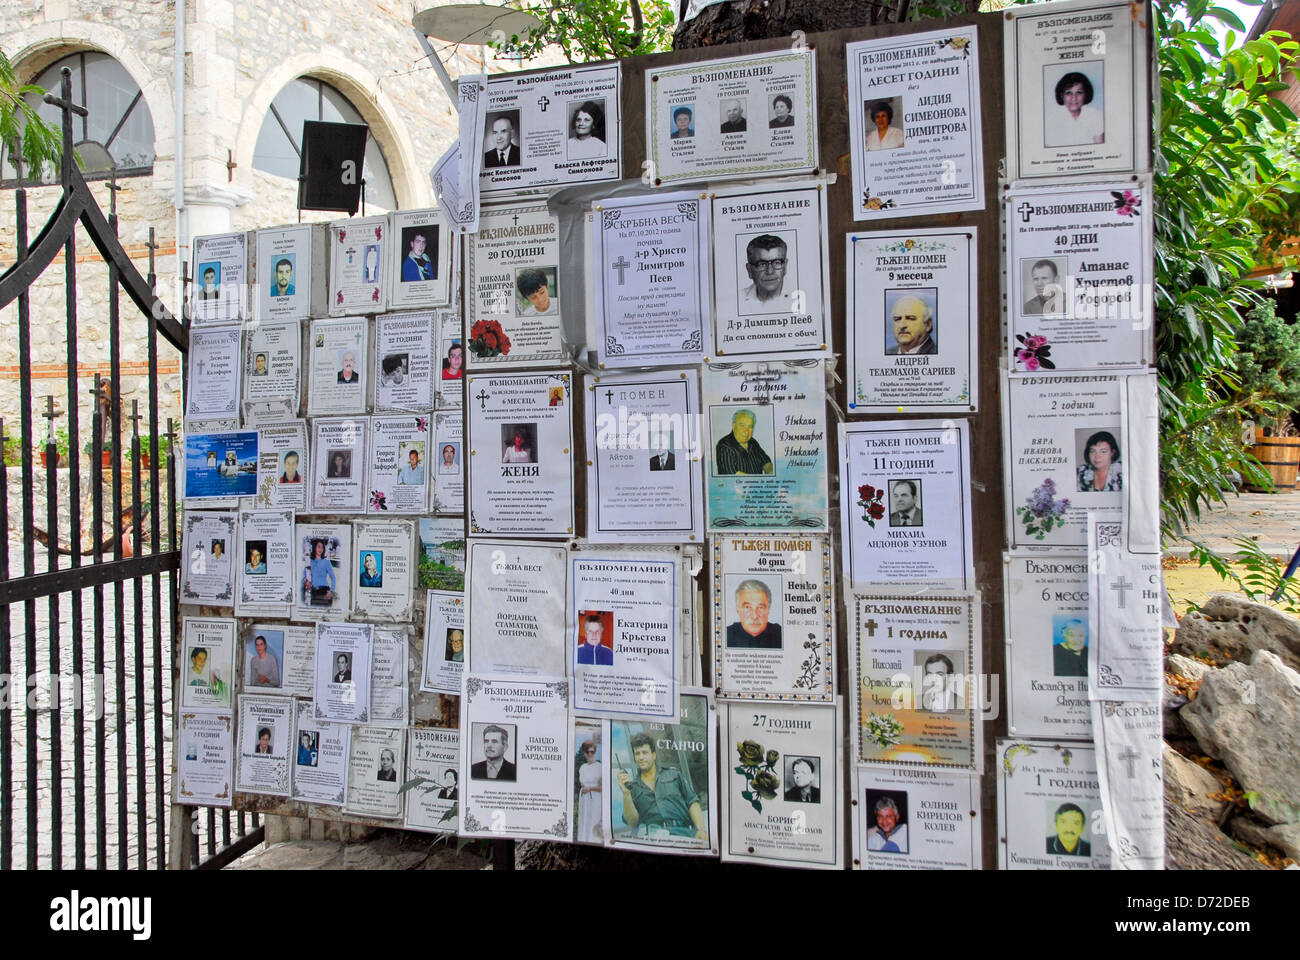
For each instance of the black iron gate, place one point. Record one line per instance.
(87, 680)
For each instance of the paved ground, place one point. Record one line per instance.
(1272, 520)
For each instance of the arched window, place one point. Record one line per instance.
(117, 128)
(279, 142)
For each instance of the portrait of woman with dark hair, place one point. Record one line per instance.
(1072, 121)
(883, 136)
(587, 131)
(1101, 470)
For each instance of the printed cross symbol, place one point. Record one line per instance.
(1122, 587)
(1025, 210)
(199, 365)
(482, 397)
(543, 103)
(871, 627)
(609, 396)
(1130, 757)
(621, 265)
(515, 219)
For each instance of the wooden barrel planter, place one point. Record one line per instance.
(1280, 458)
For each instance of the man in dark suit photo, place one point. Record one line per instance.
(503, 152)
(803, 772)
(906, 510)
(494, 765)
(663, 460)
(1068, 841)
(342, 669)
(752, 630)
(913, 329)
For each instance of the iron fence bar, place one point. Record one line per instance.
(137, 586)
(74, 558)
(31, 262)
(225, 828)
(232, 852)
(84, 577)
(6, 670)
(155, 541)
(212, 831)
(119, 586)
(55, 717)
(97, 525)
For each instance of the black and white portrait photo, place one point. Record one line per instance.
(780, 112)
(769, 258)
(802, 779)
(905, 503)
(501, 138)
(538, 294)
(732, 112)
(586, 130)
(1042, 286)
(492, 749)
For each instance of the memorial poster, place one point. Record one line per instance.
(918, 683)
(514, 770)
(338, 451)
(272, 355)
(324, 578)
(451, 362)
(220, 466)
(1048, 639)
(320, 762)
(1079, 283)
(1125, 590)
(771, 269)
(449, 458)
(442, 554)
(1049, 807)
(783, 784)
(773, 616)
(205, 758)
(515, 608)
(738, 117)
(913, 344)
(404, 376)
(444, 642)
(284, 276)
(587, 747)
(767, 445)
(551, 129)
(389, 698)
(913, 818)
(905, 515)
(512, 294)
(383, 554)
(1129, 738)
(455, 177)
(433, 756)
(625, 631)
(1075, 74)
(264, 585)
(399, 465)
(208, 545)
(215, 358)
(376, 763)
(343, 658)
(359, 255)
(520, 469)
(651, 273)
(220, 263)
(289, 664)
(282, 458)
(915, 124)
(660, 784)
(420, 272)
(265, 729)
(1064, 444)
(643, 458)
(207, 663)
(337, 362)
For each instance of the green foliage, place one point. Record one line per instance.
(1221, 159)
(164, 449)
(62, 442)
(1262, 577)
(589, 30)
(21, 129)
(13, 450)
(1268, 366)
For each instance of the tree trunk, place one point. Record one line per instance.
(735, 20)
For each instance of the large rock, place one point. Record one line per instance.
(1230, 627)
(1186, 667)
(1249, 718)
(1190, 786)
(1281, 836)
(1172, 702)
(1193, 844)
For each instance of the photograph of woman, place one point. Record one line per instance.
(1072, 121)
(587, 131)
(318, 583)
(883, 136)
(1101, 470)
(589, 777)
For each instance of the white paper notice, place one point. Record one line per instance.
(420, 272)
(448, 476)
(383, 554)
(207, 663)
(209, 548)
(773, 616)
(1130, 742)
(399, 465)
(516, 616)
(219, 292)
(215, 360)
(265, 734)
(281, 459)
(906, 818)
(343, 652)
(375, 772)
(324, 578)
(1049, 807)
(338, 471)
(336, 383)
(389, 698)
(783, 784)
(444, 642)
(1126, 657)
(284, 280)
(514, 770)
(404, 345)
(284, 661)
(433, 756)
(264, 586)
(272, 353)
(905, 516)
(358, 259)
(205, 758)
(320, 757)
(914, 124)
